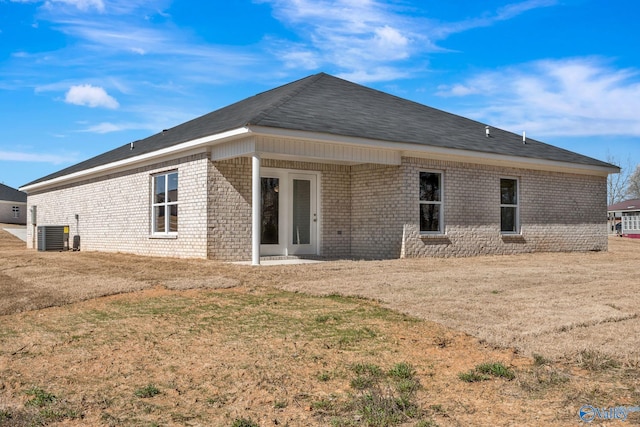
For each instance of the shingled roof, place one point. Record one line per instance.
(325, 104)
(627, 205)
(10, 194)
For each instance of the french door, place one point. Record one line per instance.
(289, 213)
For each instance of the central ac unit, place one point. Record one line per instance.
(53, 238)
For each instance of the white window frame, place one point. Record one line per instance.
(440, 203)
(630, 221)
(165, 204)
(16, 211)
(507, 205)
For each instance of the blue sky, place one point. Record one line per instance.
(80, 77)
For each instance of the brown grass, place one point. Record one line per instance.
(223, 341)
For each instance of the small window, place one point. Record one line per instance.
(165, 203)
(16, 211)
(509, 221)
(431, 202)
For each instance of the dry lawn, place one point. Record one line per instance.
(222, 342)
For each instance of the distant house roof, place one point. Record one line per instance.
(627, 205)
(10, 194)
(325, 104)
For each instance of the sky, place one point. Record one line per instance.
(81, 77)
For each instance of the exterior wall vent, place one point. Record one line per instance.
(53, 238)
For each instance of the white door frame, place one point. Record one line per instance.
(285, 246)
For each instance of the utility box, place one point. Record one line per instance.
(53, 238)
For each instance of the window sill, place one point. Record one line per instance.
(435, 239)
(513, 238)
(163, 236)
(433, 236)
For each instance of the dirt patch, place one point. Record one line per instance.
(222, 342)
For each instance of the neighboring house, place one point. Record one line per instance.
(325, 167)
(13, 205)
(624, 218)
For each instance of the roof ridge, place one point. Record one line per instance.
(286, 98)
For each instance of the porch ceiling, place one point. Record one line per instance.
(284, 148)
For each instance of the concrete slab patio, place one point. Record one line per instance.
(20, 231)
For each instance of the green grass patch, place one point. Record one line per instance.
(244, 422)
(39, 398)
(485, 371)
(473, 376)
(380, 398)
(147, 391)
(496, 370)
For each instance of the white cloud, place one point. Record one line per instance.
(391, 43)
(16, 156)
(137, 50)
(357, 36)
(91, 96)
(83, 5)
(571, 97)
(504, 13)
(354, 35)
(105, 127)
(375, 74)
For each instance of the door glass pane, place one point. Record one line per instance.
(270, 201)
(301, 212)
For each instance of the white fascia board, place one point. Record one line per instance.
(179, 149)
(442, 153)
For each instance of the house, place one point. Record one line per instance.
(325, 167)
(624, 218)
(13, 205)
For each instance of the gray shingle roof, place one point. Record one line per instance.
(326, 104)
(10, 194)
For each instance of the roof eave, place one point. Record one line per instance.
(442, 153)
(109, 167)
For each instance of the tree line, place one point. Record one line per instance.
(624, 185)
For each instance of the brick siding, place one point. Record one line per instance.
(558, 211)
(367, 211)
(114, 211)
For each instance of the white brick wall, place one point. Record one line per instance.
(558, 212)
(114, 211)
(365, 210)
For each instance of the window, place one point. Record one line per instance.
(509, 205)
(630, 221)
(16, 211)
(165, 203)
(431, 202)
